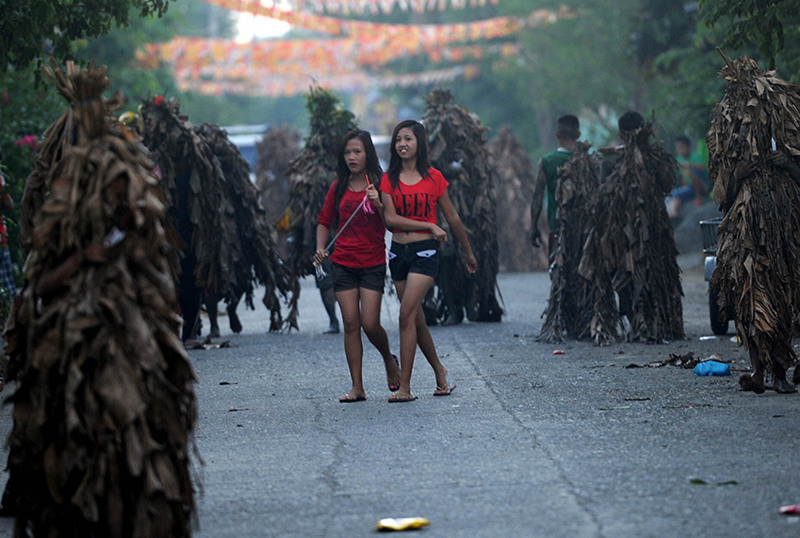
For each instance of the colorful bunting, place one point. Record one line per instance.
(279, 86)
(441, 33)
(348, 59)
(374, 7)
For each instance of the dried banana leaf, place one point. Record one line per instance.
(259, 262)
(276, 150)
(198, 212)
(104, 404)
(514, 179)
(758, 262)
(629, 255)
(569, 308)
(458, 148)
(311, 174)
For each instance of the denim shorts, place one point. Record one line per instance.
(350, 278)
(418, 257)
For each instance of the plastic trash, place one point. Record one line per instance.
(401, 523)
(791, 510)
(712, 368)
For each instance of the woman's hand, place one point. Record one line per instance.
(472, 263)
(438, 234)
(319, 256)
(374, 196)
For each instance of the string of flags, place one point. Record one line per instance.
(356, 54)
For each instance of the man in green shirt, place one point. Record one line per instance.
(694, 177)
(567, 133)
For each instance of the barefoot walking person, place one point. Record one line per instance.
(358, 264)
(411, 191)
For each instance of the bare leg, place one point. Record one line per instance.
(233, 318)
(412, 323)
(754, 381)
(371, 323)
(353, 349)
(329, 300)
(780, 384)
(211, 308)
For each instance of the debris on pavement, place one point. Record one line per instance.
(401, 524)
(710, 367)
(791, 510)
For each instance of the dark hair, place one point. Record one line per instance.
(568, 126)
(630, 121)
(396, 163)
(683, 139)
(373, 167)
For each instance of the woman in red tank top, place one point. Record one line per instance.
(412, 192)
(359, 259)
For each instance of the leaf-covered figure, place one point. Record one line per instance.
(458, 149)
(569, 308)
(310, 176)
(104, 404)
(754, 161)
(514, 178)
(198, 207)
(258, 262)
(629, 256)
(276, 150)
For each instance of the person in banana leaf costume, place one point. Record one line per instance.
(569, 308)
(276, 150)
(754, 163)
(104, 404)
(514, 179)
(198, 209)
(310, 175)
(259, 262)
(458, 148)
(629, 257)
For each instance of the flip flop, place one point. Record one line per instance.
(447, 390)
(350, 399)
(394, 387)
(399, 397)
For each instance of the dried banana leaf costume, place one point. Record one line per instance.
(259, 262)
(458, 149)
(514, 178)
(569, 309)
(275, 152)
(758, 261)
(630, 249)
(198, 207)
(310, 177)
(104, 403)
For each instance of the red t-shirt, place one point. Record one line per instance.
(362, 243)
(418, 201)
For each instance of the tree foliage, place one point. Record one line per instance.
(764, 23)
(31, 29)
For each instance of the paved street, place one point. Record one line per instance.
(530, 443)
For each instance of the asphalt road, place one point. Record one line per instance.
(530, 443)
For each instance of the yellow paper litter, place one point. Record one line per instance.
(401, 524)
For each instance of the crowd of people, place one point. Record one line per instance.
(126, 229)
(613, 258)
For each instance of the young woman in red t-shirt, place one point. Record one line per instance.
(411, 191)
(359, 259)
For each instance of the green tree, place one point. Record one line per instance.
(767, 24)
(32, 29)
